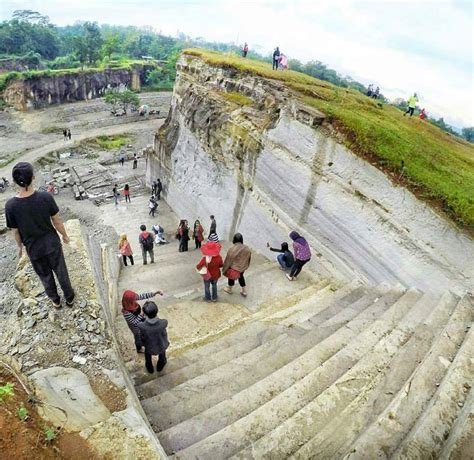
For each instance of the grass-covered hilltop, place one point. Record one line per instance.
(436, 165)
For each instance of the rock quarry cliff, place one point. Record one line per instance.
(246, 149)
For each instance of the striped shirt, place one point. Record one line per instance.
(134, 320)
(213, 237)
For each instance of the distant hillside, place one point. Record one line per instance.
(436, 166)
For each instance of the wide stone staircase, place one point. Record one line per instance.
(325, 371)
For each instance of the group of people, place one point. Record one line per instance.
(279, 61)
(373, 93)
(135, 160)
(116, 194)
(66, 134)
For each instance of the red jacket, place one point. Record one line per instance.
(213, 267)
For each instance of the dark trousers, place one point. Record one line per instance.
(275, 64)
(152, 212)
(54, 263)
(125, 260)
(135, 164)
(158, 195)
(207, 289)
(127, 198)
(159, 366)
(144, 254)
(297, 266)
(410, 110)
(138, 340)
(198, 243)
(241, 281)
(183, 245)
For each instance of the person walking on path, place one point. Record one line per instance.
(125, 249)
(302, 255)
(236, 263)
(154, 337)
(213, 227)
(146, 241)
(135, 161)
(285, 258)
(34, 218)
(122, 160)
(116, 194)
(245, 50)
(209, 268)
(276, 58)
(152, 206)
(412, 101)
(198, 234)
(126, 193)
(183, 235)
(65, 134)
(131, 312)
(159, 188)
(69, 134)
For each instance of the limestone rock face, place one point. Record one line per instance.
(41, 91)
(266, 164)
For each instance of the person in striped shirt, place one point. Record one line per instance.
(132, 313)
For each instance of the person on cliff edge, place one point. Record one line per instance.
(34, 218)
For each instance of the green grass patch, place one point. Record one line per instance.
(437, 165)
(236, 98)
(113, 142)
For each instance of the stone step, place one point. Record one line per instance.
(231, 377)
(451, 399)
(222, 353)
(239, 405)
(358, 383)
(331, 359)
(411, 382)
(460, 441)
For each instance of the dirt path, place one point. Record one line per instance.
(33, 155)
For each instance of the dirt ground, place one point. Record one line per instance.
(24, 433)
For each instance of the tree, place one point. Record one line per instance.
(93, 41)
(111, 44)
(125, 100)
(468, 133)
(80, 49)
(31, 16)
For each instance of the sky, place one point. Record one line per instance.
(403, 46)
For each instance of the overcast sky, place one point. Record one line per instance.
(402, 46)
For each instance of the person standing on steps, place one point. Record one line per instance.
(236, 263)
(131, 312)
(152, 206)
(276, 58)
(126, 193)
(154, 337)
(285, 258)
(245, 50)
(209, 268)
(183, 235)
(198, 234)
(146, 241)
(412, 101)
(135, 161)
(34, 218)
(159, 188)
(302, 255)
(69, 134)
(213, 227)
(125, 249)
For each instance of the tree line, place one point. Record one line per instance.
(32, 36)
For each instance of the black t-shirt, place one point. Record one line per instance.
(32, 217)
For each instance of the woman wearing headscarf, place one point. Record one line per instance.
(198, 234)
(132, 313)
(125, 249)
(302, 254)
(236, 262)
(209, 268)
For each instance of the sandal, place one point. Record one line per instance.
(229, 291)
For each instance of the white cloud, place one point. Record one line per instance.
(402, 46)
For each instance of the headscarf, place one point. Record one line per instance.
(129, 301)
(297, 238)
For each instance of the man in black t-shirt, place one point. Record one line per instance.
(34, 218)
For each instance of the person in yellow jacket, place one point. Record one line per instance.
(411, 104)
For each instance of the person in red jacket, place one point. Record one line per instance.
(422, 114)
(210, 269)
